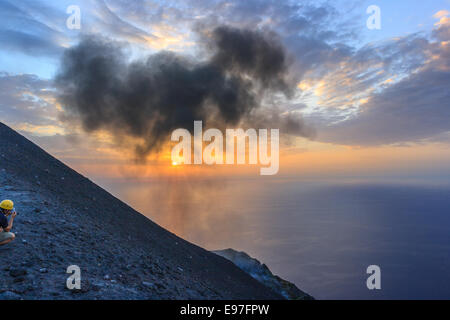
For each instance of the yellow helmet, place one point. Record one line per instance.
(7, 205)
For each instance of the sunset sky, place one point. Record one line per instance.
(377, 100)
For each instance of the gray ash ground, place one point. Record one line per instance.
(65, 219)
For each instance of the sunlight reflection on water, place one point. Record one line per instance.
(321, 237)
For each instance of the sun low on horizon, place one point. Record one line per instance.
(344, 108)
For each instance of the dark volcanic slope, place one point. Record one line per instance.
(66, 219)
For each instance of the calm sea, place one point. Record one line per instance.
(320, 236)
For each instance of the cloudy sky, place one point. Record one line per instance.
(378, 101)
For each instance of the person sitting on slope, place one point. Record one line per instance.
(6, 210)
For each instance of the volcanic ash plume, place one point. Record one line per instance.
(147, 99)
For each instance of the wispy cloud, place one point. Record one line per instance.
(414, 108)
(355, 93)
(26, 99)
(24, 28)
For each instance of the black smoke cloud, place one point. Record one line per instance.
(148, 99)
